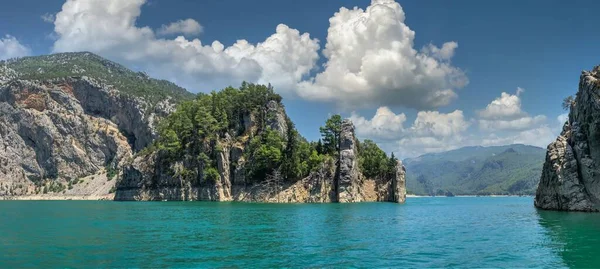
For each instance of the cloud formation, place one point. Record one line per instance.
(108, 27)
(371, 61)
(502, 122)
(370, 55)
(186, 27)
(505, 113)
(10, 47)
(431, 131)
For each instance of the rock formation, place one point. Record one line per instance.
(570, 178)
(56, 133)
(336, 181)
(349, 179)
(76, 126)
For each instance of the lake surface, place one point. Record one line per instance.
(424, 232)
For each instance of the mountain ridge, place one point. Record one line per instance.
(476, 170)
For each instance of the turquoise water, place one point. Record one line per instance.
(424, 232)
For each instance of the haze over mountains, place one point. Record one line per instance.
(499, 170)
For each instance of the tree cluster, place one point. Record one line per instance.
(194, 134)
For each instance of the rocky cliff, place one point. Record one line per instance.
(77, 126)
(570, 178)
(68, 135)
(149, 177)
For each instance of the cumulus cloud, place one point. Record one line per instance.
(502, 122)
(108, 27)
(436, 124)
(187, 27)
(371, 60)
(10, 47)
(507, 106)
(505, 113)
(385, 124)
(431, 131)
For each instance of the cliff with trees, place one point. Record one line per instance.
(239, 145)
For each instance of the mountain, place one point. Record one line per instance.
(79, 64)
(75, 117)
(571, 171)
(512, 169)
(78, 126)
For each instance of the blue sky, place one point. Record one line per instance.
(539, 46)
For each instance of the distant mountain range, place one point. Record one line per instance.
(500, 170)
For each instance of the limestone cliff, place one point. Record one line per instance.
(148, 176)
(570, 178)
(77, 126)
(68, 135)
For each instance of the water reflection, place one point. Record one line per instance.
(575, 237)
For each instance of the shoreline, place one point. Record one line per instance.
(428, 196)
(110, 197)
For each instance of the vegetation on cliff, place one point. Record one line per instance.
(196, 132)
(77, 64)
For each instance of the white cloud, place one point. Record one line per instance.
(502, 122)
(384, 124)
(108, 27)
(48, 17)
(444, 53)
(505, 113)
(538, 136)
(436, 124)
(507, 106)
(187, 27)
(371, 58)
(431, 131)
(516, 124)
(371, 61)
(10, 47)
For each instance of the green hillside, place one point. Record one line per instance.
(77, 64)
(501, 170)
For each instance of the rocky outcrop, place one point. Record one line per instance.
(570, 178)
(399, 184)
(335, 181)
(349, 178)
(55, 132)
(276, 118)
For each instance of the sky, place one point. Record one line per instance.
(414, 76)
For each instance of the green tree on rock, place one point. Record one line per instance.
(331, 134)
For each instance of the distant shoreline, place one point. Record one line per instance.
(425, 196)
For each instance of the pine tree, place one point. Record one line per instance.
(331, 134)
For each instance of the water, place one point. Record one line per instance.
(424, 232)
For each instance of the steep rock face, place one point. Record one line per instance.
(349, 179)
(334, 181)
(399, 184)
(276, 118)
(570, 178)
(62, 130)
